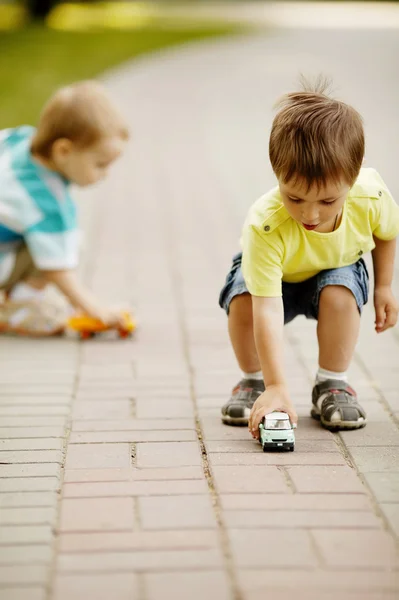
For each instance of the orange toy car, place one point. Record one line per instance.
(88, 327)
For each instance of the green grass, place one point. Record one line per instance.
(37, 60)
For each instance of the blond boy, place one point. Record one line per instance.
(79, 135)
(303, 245)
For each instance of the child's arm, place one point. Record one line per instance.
(68, 283)
(385, 304)
(268, 315)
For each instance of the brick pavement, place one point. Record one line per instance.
(117, 478)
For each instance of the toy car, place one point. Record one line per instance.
(88, 327)
(276, 432)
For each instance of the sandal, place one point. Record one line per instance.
(237, 410)
(335, 405)
(33, 318)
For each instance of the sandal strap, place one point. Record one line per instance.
(339, 397)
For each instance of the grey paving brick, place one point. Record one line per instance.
(29, 484)
(32, 444)
(176, 512)
(168, 454)
(375, 434)
(32, 554)
(30, 470)
(28, 516)
(193, 584)
(23, 593)
(13, 457)
(23, 574)
(385, 486)
(391, 513)
(27, 499)
(376, 458)
(19, 534)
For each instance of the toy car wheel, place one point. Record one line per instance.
(292, 448)
(86, 335)
(123, 333)
(264, 448)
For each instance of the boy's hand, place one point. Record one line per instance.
(110, 317)
(276, 397)
(386, 308)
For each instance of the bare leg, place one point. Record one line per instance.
(338, 328)
(241, 333)
(38, 283)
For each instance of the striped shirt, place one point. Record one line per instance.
(36, 208)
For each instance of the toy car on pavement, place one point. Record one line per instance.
(87, 327)
(276, 432)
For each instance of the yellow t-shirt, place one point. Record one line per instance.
(277, 248)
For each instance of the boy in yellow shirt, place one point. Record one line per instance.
(302, 254)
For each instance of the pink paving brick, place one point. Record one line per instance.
(268, 548)
(169, 454)
(193, 584)
(135, 488)
(302, 519)
(120, 586)
(235, 457)
(133, 474)
(307, 502)
(249, 479)
(326, 479)
(176, 512)
(138, 540)
(97, 514)
(357, 549)
(169, 560)
(100, 456)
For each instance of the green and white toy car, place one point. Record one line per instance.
(276, 432)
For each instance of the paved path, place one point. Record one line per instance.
(117, 478)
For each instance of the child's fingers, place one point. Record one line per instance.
(380, 316)
(391, 317)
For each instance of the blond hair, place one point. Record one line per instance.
(316, 139)
(81, 112)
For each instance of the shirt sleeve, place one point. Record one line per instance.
(53, 241)
(262, 263)
(385, 214)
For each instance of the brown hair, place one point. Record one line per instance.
(315, 138)
(81, 112)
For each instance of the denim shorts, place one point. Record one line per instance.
(303, 298)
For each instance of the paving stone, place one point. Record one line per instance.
(135, 488)
(29, 484)
(268, 548)
(296, 502)
(101, 456)
(179, 512)
(25, 574)
(9, 433)
(133, 474)
(385, 486)
(138, 540)
(114, 409)
(276, 458)
(30, 470)
(20, 534)
(23, 593)
(32, 444)
(249, 479)
(336, 581)
(305, 519)
(170, 409)
(132, 425)
(132, 436)
(325, 479)
(33, 554)
(43, 421)
(28, 516)
(391, 512)
(120, 586)
(36, 401)
(170, 560)
(30, 456)
(193, 584)
(27, 499)
(97, 514)
(33, 411)
(376, 458)
(176, 454)
(375, 434)
(357, 548)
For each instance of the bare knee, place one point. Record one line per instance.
(337, 298)
(241, 309)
